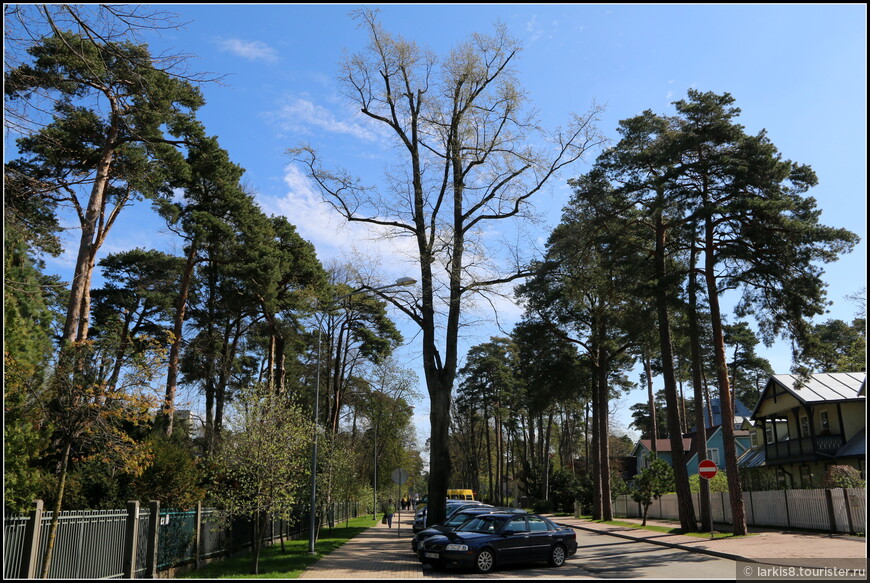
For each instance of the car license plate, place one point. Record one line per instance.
(431, 555)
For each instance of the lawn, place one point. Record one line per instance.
(289, 564)
(666, 529)
(655, 528)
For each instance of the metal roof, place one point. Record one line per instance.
(855, 446)
(753, 458)
(837, 386)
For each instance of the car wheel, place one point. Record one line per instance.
(557, 556)
(484, 561)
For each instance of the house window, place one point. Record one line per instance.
(753, 439)
(768, 432)
(825, 422)
(805, 426)
(713, 455)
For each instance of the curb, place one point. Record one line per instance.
(718, 554)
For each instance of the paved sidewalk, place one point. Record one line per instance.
(377, 553)
(380, 553)
(766, 546)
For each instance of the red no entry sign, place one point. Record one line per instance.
(707, 469)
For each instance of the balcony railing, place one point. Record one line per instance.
(804, 448)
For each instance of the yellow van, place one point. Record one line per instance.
(460, 495)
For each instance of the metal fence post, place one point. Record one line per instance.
(131, 538)
(30, 549)
(153, 533)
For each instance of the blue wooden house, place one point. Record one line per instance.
(715, 441)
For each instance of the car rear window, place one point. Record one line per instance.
(538, 524)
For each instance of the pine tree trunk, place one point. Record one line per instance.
(735, 491)
(698, 385)
(604, 436)
(175, 348)
(685, 508)
(80, 288)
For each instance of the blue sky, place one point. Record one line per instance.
(798, 71)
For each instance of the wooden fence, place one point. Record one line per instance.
(830, 510)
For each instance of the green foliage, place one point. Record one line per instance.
(25, 438)
(835, 346)
(26, 351)
(260, 468)
(652, 483)
(749, 372)
(719, 483)
(564, 490)
(618, 486)
(286, 561)
(94, 484)
(759, 479)
(585, 493)
(175, 476)
(263, 462)
(843, 477)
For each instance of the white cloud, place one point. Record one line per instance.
(533, 29)
(301, 116)
(251, 50)
(333, 236)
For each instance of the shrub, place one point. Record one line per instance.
(843, 477)
(651, 483)
(719, 483)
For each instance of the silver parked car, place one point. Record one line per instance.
(453, 506)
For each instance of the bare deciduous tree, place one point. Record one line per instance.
(469, 154)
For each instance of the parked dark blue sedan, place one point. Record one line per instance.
(457, 519)
(495, 539)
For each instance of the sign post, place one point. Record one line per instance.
(399, 476)
(707, 469)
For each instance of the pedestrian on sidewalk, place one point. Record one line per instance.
(389, 510)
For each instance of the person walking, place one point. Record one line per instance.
(389, 510)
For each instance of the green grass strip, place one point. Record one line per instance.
(666, 529)
(289, 564)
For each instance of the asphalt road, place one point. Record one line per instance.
(601, 556)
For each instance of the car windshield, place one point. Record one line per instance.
(485, 524)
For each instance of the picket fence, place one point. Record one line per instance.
(831, 510)
(136, 543)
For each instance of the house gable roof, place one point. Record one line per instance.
(662, 445)
(818, 388)
(741, 411)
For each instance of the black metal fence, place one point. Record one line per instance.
(135, 542)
